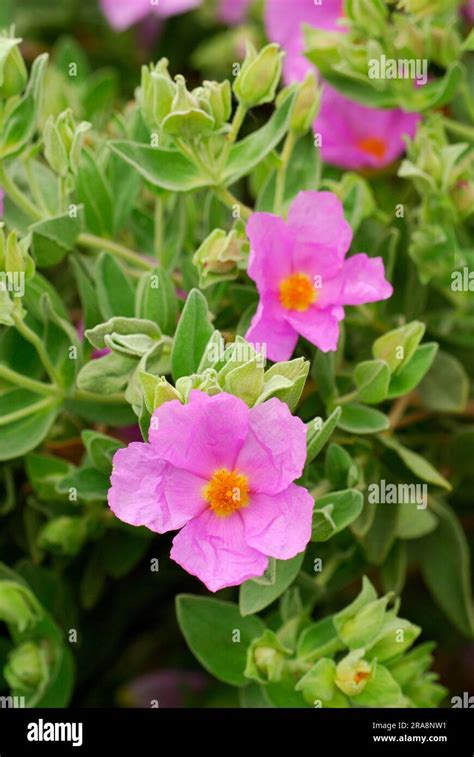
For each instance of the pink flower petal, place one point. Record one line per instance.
(318, 326)
(146, 491)
(202, 436)
(269, 327)
(274, 452)
(124, 13)
(279, 525)
(361, 280)
(321, 234)
(271, 248)
(214, 549)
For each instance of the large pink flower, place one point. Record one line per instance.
(354, 136)
(232, 11)
(302, 276)
(223, 474)
(124, 13)
(284, 21)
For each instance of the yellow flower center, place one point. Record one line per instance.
(297, 292)
(227, 491)
(374, 146)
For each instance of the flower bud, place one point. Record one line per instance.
(368, 15)
(18, 605)
(63, 142)
(361, 629)
(306, 105)
(352, 673)
(266, 658)
(216, 99)
(318, 685)
(13, 73)
(395, 636)
(186, 119)
(463, 197)
(63, 535)
(156, 93)
(220, 256)
(259, 75)
(27, 667)
(206, 382)
(15, 254)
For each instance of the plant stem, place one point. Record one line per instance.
(62, 193)
(99, 243)
(158, 235)
(461, 129)
(285, 156)
(345, 398)
(190, 153)
(33, 338)
(18, 379)
(17, 196)
(230, 200)
(109, 399)
(237, 122)
(24, 412)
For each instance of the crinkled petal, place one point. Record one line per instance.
(321, 234)
(274, 452)
(279, 525)
(271, 249)
(202, 436)
(214, 549)
(146, 491)
(320, 326)
(361, 280)
(269, 327)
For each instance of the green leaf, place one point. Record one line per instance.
(254, 597)
(94, 192)
(381, 690)
(114, 291)
(209, 627)
(101, 449)
(318, 433)
(87, 293)
(192, 335)
(319, 640)
(304, 174)
(380, 537)
(340, 468)
(446, 387)
(372, 378)
(416, 463)
(249, 152)
(20, 125)
(163, 168)
(413, 522)
(44, 474)
(23, 435)
(394, 570)
(411, 374)
(334, 512)
(91, 484)
(358, 419)
(445, 564)
(54, 238)
(118, 328)
(397, 347)
(156, 300)
(107, 375)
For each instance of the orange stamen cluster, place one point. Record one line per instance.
(374, 146)
(297, 292)
(227, 491)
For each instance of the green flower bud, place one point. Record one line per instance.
(16, 256)
(27, 668)
(156, 93)
(187, 119)
(266, 658)
(425, 7)
(216, 99)
(220, 257)
(367, 15)
(206, 382)
(395, 637)
(13, 73)
(353, 673)
(361, 629)
(63, 142)
(318, 685)
(18, 606)
(306, 106)
(463, 197)
(63, 535)
(259, 75)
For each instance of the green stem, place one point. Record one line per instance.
(27, 383)
(193, 156)
(230, 200)
(461, 129)
(33, 338)
(17, 196)
(62, 193)
(285, 156)
(35, 188)
(109, 399)
(237, 122)
(158, 235)
(24, 412)
(99, 243)
(345, 398)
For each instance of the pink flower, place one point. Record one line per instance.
(223, 474)
(354, 136)
(469, 10)
(302, 277)
(232, 11)
(283, 23)
(124, 13)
